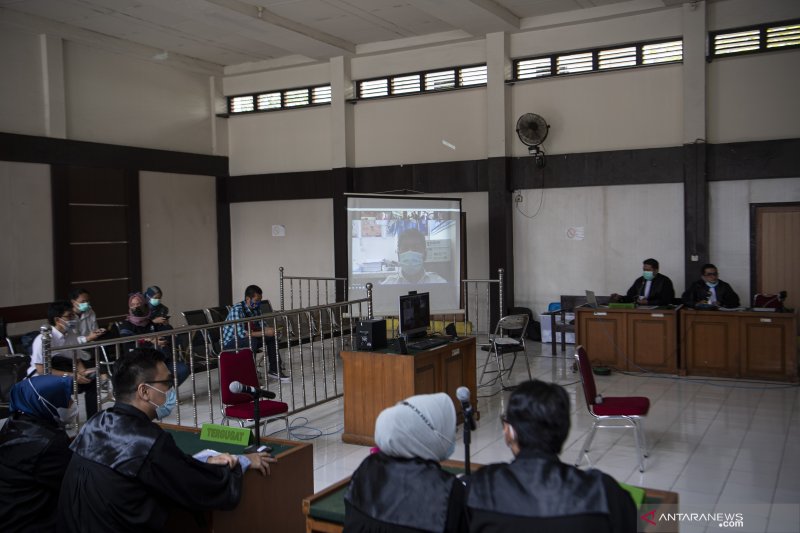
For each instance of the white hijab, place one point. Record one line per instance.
(421, 426)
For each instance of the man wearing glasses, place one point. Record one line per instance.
(127, 474)
(710, 291)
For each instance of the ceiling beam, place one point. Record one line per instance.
(478, 17)
(310, 37)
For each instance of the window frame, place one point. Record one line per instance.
(422, 74)
(762, 29)
(283, 100)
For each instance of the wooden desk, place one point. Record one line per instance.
(374, 381)
(324, 511)
(630, 339)
(739, 344)
(271, 503)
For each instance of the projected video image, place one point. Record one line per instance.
(405, 243)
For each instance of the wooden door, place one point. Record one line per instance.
(776, 236)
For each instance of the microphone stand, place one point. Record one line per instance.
(468, 425)
(253, 448)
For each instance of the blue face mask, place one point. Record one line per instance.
(154, 302)
(83, 307)
(254, 305)
(411, 262)
(712, 284)
(648, 275)
(164, 410)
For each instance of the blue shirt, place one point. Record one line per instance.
(231, 332)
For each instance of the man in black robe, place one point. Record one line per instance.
(127, 474)
(537, 492)
(651, 288)
(710, 291)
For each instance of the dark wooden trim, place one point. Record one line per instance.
(134, 230)
(619, 167)
(280, 186)
(754, 160)
(501, 232)
(695, 210)
(224, 258)
(342, 179)
(24, 313)
(34, 149)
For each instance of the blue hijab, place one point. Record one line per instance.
(41, 396)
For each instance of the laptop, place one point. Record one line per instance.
(591, 300)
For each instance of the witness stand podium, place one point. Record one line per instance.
(374, 381)
(269, 503)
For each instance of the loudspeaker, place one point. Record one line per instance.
(371, 334)
(400, 345)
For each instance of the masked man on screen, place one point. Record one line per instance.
(411, 256)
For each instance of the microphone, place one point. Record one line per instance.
(462, 393)
(239, 388)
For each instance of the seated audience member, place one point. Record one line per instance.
(138, 323)
(710, 290)
(86, 328)
(536, 491)
(158, 312)
(62, 318)
(403, 488)
(127, 473)
(411, 251)
(651, 288)
(34, 453)
(238, 336)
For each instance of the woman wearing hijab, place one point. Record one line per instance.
(34, 453)
(403, 488)
(138, 322)
(159, 313)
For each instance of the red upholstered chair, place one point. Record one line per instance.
(621, 411)
(240, 366)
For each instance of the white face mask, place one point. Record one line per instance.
(68, 414)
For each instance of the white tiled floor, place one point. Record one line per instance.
(723, 445)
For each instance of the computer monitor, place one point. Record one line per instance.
(415, 314)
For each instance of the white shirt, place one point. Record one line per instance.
(57, 339)
(647, 285)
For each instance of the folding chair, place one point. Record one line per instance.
(508, 338)
(240, 366)
(628, 410)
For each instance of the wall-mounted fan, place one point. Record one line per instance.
(532, 130)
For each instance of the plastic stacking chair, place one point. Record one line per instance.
(240, 366)
(508, 338)
(612, 411)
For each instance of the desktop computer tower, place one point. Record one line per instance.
(371, 334)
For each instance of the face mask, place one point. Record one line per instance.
(164, 410)
(68, 414)
(83, 307)
(70, 324)
(139, 311)
(154, 302)
(411, 262)
(712, 284)
(254, 304)
(648, 275)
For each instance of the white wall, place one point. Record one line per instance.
(622, 226)
(398, 131)
(21, 92)
(26, 268)
(306, 250)
(179, 239)
(121, 100)
(729, 224)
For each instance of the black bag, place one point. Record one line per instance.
(13, 369)
(26, 341)
(534, 332)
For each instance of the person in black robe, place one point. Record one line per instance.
(536, 491)
(710, 291)
(651, 288)
(403, 488)
(127, 474)
(34, 453)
